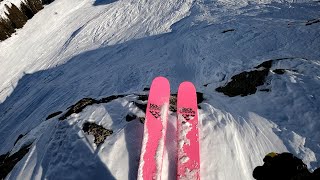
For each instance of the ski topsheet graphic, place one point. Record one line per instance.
(154, 130)
(188, 166)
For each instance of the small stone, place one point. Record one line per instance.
(279, 71)
(130, 117)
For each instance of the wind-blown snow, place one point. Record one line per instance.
(74, 49)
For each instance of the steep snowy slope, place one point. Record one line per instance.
(94, 49)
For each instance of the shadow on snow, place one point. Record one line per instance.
(98, 73)
(103, 2)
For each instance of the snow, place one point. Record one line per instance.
(143, 151)
(74, 49)
(160, 148)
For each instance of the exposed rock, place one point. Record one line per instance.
(143, 107)
(99, 132)
(53, 115)
(8, 162)
(200, 97)
(3, 157)
(83, 103)
(146, 89)
(246, 83)
(142, 97)
(142, 119)
(78, 107)
(265, 90)
(266, 64)
(130, 117)
(228, 30)
(110, 98)
(173, 103)
(19, 137)
(279, 71)
(313, 21)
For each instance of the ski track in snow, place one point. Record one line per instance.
(74, 49)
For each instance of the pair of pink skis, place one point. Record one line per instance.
(188, 160)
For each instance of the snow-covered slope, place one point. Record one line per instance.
(76, 49)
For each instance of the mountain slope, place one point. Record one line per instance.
(101, 48)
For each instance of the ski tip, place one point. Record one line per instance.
(160, 78)
(161, 81)
(161, 86)
(187, 84)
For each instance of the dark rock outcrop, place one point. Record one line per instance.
(142, 119)
(99, 132)
(228, 30)
(19, 137)
(173, 103)
(313, 21)
(284, 166)
(53, 115)
(8, 162)
(266, 64)
(142, 107)
(200, 97)
(246, 83)
(110, 98)
(279, 71)
(146, 89)
(130, 117)
(78, 107)
(83, 103)
(143, 97)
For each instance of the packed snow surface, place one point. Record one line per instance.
(84, 48)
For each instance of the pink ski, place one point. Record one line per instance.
(188, 166)
(154, 130)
